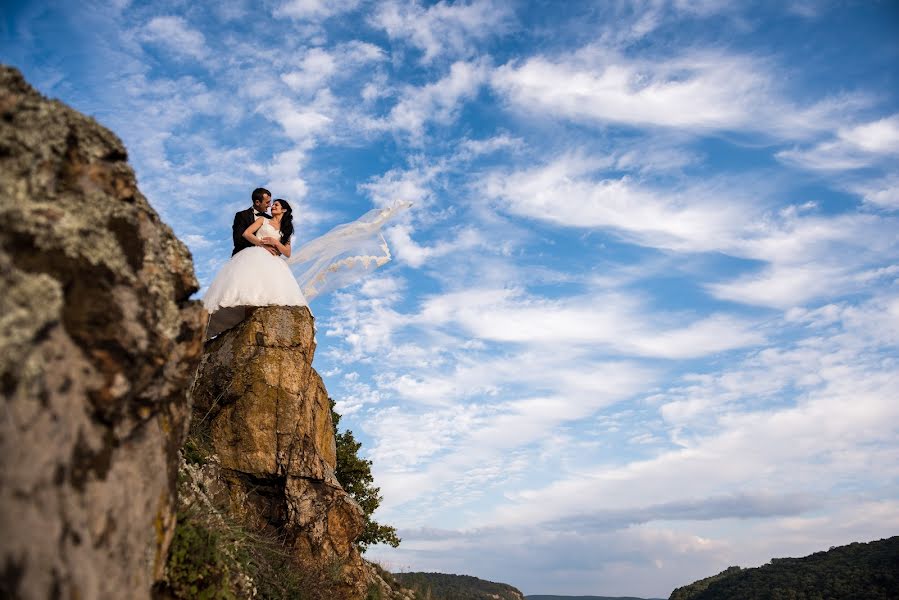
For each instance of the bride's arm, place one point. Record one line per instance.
(250, 236)
(282, 248)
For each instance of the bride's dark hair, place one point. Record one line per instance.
(286, 220)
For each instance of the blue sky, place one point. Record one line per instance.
(642, 319)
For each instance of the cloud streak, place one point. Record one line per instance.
(699, 92)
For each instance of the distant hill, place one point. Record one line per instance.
(440, 586)
(858, 571)
(545, 597)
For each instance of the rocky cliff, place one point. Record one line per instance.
(262, 413)
(98, 346)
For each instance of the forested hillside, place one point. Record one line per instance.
(552, 597)
(440, 586)
(868, 571)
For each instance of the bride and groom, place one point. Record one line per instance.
(265, 270)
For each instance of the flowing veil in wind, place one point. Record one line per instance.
(345, 254)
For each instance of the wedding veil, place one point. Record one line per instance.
(345, 254)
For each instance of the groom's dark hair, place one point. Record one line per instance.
(258, 193)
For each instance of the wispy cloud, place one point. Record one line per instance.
(314, 10)
(699, 91)
(719, 216)
(415, 254)
(619, 562)
(613, 321)
(438, 102)
(444, 28)
(824, 423)
(571, 191)
(853, 147)
(879, 193)
(318, 65)
(174, 34)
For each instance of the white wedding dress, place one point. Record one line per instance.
(253, 277)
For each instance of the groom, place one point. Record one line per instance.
(243, 219)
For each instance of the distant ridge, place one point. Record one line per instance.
(868, 571)
(545, 597)
(441, 586)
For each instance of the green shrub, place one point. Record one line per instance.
(214, 558)
(197, 567)
(193, 453)
(373, 593)
(354, 475)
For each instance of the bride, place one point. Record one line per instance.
(257, 276)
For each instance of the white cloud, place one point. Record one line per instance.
(318, 66)
(853, 147)
(612, 321)
(469, 148)
(234, 10)
(415, 255)
(451, 325)
(761, 440)
(568, 192)
(807, 9)
(403, 185)
(698, 91)
(285, 180)
(622, 24)
(314, 10)
(808, 255)
(880, 193)
(197, 241)
(485, 442)
(303, 123)
(383, 287)
(881, 136)
(783, 286)
(176, 35)
(435, 102)
(442, 28)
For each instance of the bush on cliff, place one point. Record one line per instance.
(354, 475)
(198, 567)
(213, 557)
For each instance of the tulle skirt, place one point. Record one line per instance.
(252, 277)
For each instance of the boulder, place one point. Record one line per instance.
(99, 342)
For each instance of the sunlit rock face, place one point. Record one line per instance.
(264, 412)
(98, 346)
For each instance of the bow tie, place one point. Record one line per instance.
(259, 214)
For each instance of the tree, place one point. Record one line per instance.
(354, 475)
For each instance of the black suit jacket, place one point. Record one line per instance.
(242, 220)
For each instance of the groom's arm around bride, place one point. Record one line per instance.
(242, 220)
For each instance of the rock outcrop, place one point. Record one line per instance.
(265, 416)
(98, 345)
